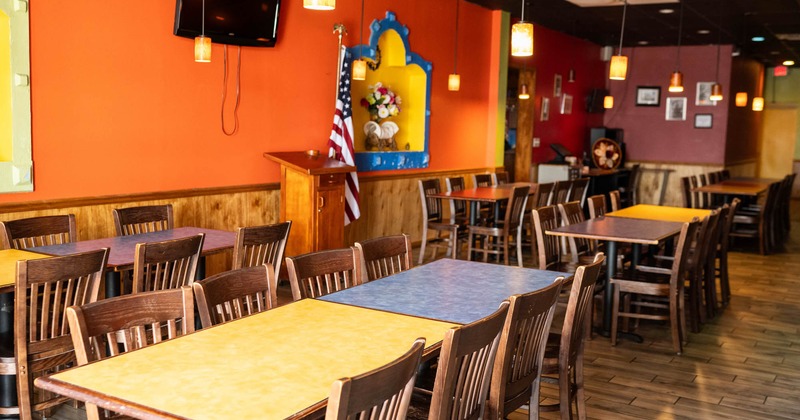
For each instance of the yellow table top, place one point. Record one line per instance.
(266, 366)
(662, 213)
(8, 264)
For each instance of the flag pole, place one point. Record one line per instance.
(339, 30)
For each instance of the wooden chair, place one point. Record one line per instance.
(783, 208)
(518, 364)
(497, 239)
(698, 199)
(563, 357)
(630, 192)
(38, 231)
(458, 208)
(548, 248)
(560, 192)
(383, 393)
(385, 256)
(44, 288)
(117, 325)
(143, 219)
(543, 192)
(465, 368)
(688, 195)
(721, 270)
(432, 218)
(579, 248)
(167, 264)
(597, 206)
(758, 224)
(666, 295)
(578, 190)
(259, 245)
(319, 273)
(233, 294)
(482, 180)
(613, 197)
(500, 178)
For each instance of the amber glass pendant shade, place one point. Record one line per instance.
(522, 39)
(618, 69)
(454, 82)
(523, 92)
(319, 4)
(359, 69)
(608, 102)
(202, 49)
(716, 92)
(676, 82)
(741, 99)
(758, 103)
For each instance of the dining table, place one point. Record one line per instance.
(662, 213)
(612, 230)
(8, 277)
(475, 196)
(122, 251)
(449, 290)
(276, 364)
(737, 186)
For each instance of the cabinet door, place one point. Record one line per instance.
(329, 219)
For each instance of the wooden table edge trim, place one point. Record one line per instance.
(611, 238)
(117, 405)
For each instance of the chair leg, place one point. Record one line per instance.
(614, 313)
(471, 240)
(674, 325)
(580, 395)
(724, 284)
(564, 392)
(422, 246)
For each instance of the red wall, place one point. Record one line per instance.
(555, 53)
(648, 136)
(119, 106)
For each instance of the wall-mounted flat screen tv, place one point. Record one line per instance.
(236, 22)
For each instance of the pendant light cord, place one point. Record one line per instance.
(361, 34)
(680, 32)
(225, 90)
(203, 20)
(522, 17)
(455, 50)
(622, 31)
(719, 41)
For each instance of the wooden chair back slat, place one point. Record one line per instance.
(167, 264)
(572, 213)
(38, 231)
(258, 245)
(385, 256)
(458, 208)
(44, 289)
(233, 294)
(432, 207)
(578, 190)
(543, 192)
(560, 192)
(482, 180)
(518, 365)
(319, 273)
(381, 394)
(143, 219)
(465, 368)
(548, 250)
(597, 205)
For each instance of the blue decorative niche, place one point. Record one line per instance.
(392, 63)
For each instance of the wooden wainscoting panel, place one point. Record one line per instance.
(650, 183)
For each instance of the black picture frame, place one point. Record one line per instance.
(703, 120)
(648, 96)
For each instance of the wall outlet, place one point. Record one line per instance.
(536, 142)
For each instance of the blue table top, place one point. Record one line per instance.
(447, 290)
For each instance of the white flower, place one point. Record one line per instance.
(383, 112)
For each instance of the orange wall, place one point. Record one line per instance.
(119, 106)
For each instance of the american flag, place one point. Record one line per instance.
(341, 140)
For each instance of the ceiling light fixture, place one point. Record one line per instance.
(716, 88)
(454, 80)
(319, 4)
(522, 37)
(202, 43)
(676, 79)
(758, 103)
(703, 31)
(741, 99)
(608, 102)
(788, 63)
(523, 92)
(666, 11)
(758, 39)
(360, 65)
(618, 68)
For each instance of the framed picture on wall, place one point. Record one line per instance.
(703, 97)
(545, 109)
(703, 120)
(566, 104)
(676, 109)
(557, 86)
(648, 96)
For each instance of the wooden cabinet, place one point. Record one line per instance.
(312, 197)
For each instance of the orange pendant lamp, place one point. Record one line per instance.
(676, 79)
(522, 37)
(202, 43)
(618, 68)
(716, 88)
(454, 80)
(360, 65)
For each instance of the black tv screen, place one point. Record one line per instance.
(236, 22)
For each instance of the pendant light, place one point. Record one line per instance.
(522, 37)
(741, 99)
(758, 103)
(202, 43)
(523, 92)
(608, 102)
(618, 69)
(571, 73)
(360, 65)
(676, 79)
(454, 80)
(716, 88)
(319, 4)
